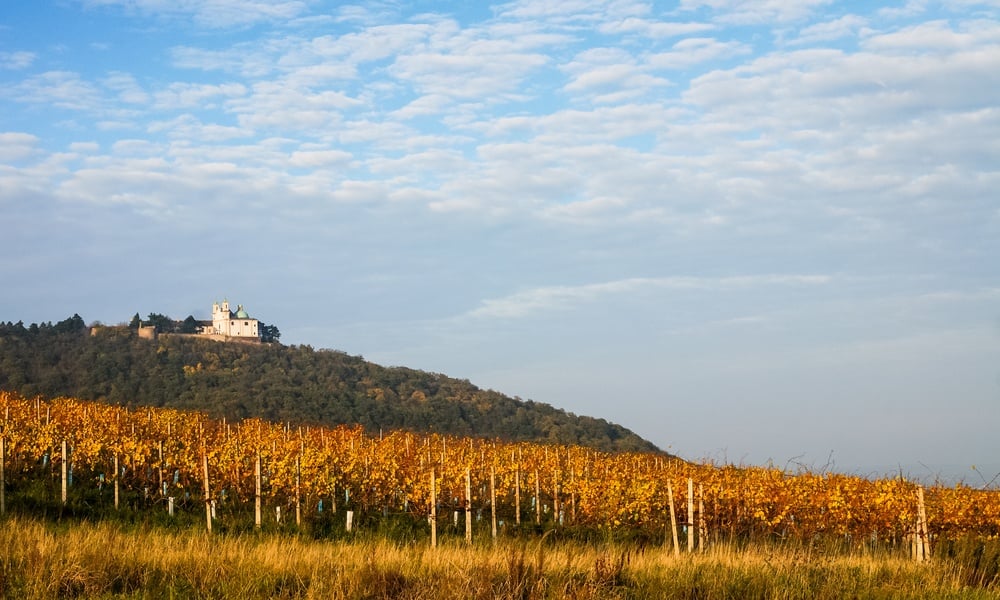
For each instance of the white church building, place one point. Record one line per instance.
(231, 324)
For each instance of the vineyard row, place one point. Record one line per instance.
(170, 453)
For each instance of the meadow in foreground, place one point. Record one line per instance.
(107, 560)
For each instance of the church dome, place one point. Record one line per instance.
(241, 314)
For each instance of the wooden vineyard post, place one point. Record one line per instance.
(117, 472)
(555, 497)
(673, 519)
(208, 493)
(256, 500)
(298, 504)
(702, 529)
(468, 506)
(65, 474)
(690, 515)
(923, 547)
(434, 512)
(923, 524)
(572, 495)
(159, 467)
(517, 494)
(493, 500)
(333, 494)
(538, 501)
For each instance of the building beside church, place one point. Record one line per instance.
(229, 324)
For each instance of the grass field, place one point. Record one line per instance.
(103, 502)
(108, 560)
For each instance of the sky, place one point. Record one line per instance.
(752, 231)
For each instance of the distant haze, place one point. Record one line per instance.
(749, 231)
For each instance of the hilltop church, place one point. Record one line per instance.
(232, 325)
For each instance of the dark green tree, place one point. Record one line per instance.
(163, 323)
(189, 325)
(135, 323)
(14, 328)
(70, 325)
(269, 333)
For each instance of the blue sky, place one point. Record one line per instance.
(749, 230)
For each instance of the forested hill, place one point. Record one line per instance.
(294, 384)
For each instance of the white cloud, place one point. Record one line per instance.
(128, 89)
(62, 89)
(431, 104)
(595, 207)
(84, 147)
(695, 51)
(137, 148)
(579, 126)
(113, 125)
(573, 12)
(609, 76)
(314, 159)
(16, 146)
(14, 61)
(654, 29)
(190, 188)
(212, 13)
(249, 60)
(910, 9)
(229, 13)
(974, 3)
(757, 11)
(370, 44)
(380, 134)
(189, 128)
(475, 72)
(181, 95)
(819, 89)
(936, 37)
(275, 105)
(415, 176)
(845, 26)
(357, 191)
(530, 302)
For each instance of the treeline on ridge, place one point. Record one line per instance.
(296, 384)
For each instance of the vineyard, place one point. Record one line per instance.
(160, 459)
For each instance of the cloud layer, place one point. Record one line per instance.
(555, 199)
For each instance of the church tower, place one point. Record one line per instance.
(238, 325)
(220, 317)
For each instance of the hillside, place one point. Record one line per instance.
(296, 384)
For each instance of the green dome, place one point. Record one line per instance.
(241, 314)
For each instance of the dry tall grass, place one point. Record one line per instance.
(85, 560)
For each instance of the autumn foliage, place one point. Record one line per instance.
(160, 452)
